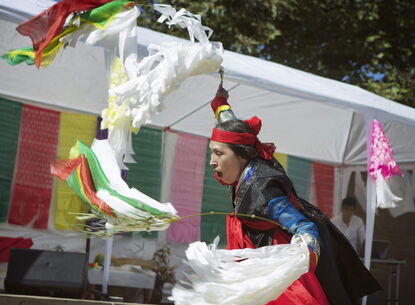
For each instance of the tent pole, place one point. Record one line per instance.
(338, 189)
(107, 263)
(370, 205)
(165, 181)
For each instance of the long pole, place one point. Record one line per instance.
(370, 205)
(107, 263)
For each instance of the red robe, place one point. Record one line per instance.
(305, 291)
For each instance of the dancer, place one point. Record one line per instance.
(261, 187)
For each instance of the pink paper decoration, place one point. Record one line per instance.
(381, 161)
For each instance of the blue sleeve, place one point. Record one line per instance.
(282, 210)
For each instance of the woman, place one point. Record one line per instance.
(260, 187)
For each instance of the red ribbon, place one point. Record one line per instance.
(265, 150)
(48, 24)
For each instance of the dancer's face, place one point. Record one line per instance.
(225, 162)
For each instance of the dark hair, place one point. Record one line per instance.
(245, 151)
(349, 202)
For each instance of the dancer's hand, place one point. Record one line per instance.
(222, 92)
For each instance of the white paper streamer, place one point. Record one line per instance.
(184, 19)
(385, 197)
(162, 72)
(243, 277)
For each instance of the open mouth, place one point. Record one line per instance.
(219, 174)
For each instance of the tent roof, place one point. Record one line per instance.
(306, 115)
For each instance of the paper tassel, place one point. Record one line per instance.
(111, 18)
(48, 24)
(95, 176)
(382, 165)
(184, 19)
(247, 276)
(167, 66)
(384, 197)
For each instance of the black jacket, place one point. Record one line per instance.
(340, 271)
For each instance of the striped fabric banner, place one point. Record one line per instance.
(187, 187)
(324, 185)
(72, 127)
(10, 115)
(216, 198)
(299, 171)
(32, 186)
(145, 174)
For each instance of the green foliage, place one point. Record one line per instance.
(352, 40)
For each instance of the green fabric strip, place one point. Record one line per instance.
(299, 171)
(10, 116)
(145, 174)
(17, 56)
(216, 198)
(104, 14)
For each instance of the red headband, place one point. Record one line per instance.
(265, 150)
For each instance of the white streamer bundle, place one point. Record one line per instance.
(240, 277)
(162, 72)
(134, 102)
(118, 196)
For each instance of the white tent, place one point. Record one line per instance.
(304, 114)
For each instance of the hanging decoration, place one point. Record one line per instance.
(93, 174)
(10, 116)
(242, 276)
(31, 190)
(324, 186)
(166, 67)
(136, 93)
(66, 202)
(187, 187)
(300, 170)
(382, 166)
(137, 89)
(49, 31)
(92, 19)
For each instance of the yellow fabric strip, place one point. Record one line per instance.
(72, 127)
(282, 158)
(17, 52)
(220, 109)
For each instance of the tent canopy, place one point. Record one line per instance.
(304, 114)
